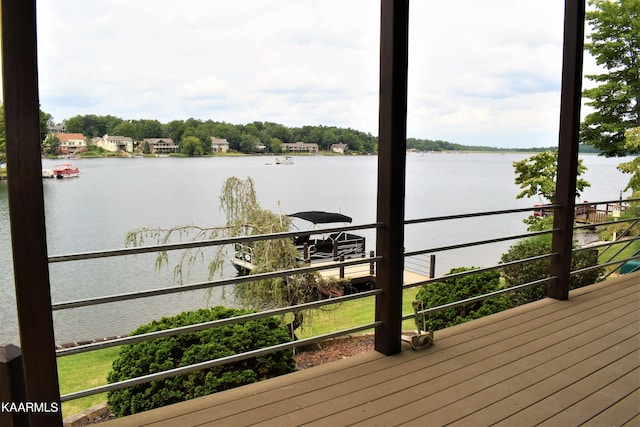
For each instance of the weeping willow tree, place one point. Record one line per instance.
(245, 217)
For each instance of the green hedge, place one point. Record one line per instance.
(539, 269)
(161, 354)
(458, 288)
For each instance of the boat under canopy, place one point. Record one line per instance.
(314, 246)
(321, 217)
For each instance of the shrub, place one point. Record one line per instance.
(161, 354)
(539, 269)
(459, 288)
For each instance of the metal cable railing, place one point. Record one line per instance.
(202, 243)
(211, 363)
(201, 326)
(478, 298)
(208, 284)
(331, 266)
(416, 258)
(607, 245)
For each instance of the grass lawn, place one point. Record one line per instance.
(353, 313)
(626, 253)
(83, 371)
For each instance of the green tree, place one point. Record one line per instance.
(147, 129)
(45, 119)
(245, 216)
(248, 143)
(51, 143)
(174, 130)
(275, 146)
(536, 176)
(110, 123)
(633, 167)
(615, 45)
(125, 128)
(191, 146)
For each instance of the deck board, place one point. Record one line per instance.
(552, 362)
(480, 381)
(608, 403)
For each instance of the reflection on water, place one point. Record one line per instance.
(114, 196)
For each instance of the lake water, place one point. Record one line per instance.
(114, 196)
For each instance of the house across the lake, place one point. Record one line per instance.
(161, 145)
(300, 147)
(219, 145)
(339, 148)
(71, 143)
(114, 143)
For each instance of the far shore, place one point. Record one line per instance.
(238, 154)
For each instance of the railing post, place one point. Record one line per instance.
(570, 99)
(392, 143)
(11, 384)
(372, 266)
(432, 266)
(26, 210)
(342, 267)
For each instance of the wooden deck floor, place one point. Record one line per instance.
(556, 363)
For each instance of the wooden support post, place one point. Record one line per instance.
(26, 209)
(570, 99)
(392, 144)
(11, 384)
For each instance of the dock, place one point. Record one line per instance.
(586, 213)
(596, 214)
(366, 272)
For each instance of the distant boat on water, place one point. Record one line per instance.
(284, 160)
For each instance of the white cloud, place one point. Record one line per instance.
(481, 72)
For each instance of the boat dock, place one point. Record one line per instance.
(595, 214)
(586, 213)
(367, 271)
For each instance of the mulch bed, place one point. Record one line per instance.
(333, 350)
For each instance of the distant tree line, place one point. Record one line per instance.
(438, 145)
(256, 136)
(249, 138)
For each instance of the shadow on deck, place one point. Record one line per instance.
(550, 362)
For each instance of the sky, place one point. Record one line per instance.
(480, 72)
